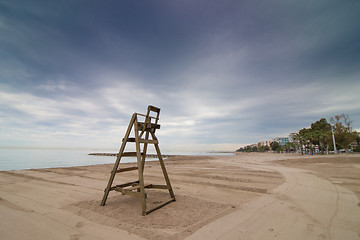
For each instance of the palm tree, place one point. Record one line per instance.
(299, 139)
(322, 133)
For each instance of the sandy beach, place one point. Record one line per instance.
(245, 196)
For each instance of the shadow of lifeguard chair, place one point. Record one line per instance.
(144, 132)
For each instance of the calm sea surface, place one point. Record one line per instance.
(17, 159)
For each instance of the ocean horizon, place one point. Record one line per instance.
(19, 158)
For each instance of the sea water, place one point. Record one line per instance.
(34, 158)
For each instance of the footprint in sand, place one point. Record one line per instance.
(310, 227)
(79, 224)
(74, 237)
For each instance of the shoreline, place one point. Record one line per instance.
(116, 154)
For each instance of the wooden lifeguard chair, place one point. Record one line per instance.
(137, 188)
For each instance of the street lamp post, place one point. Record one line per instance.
(333, 137)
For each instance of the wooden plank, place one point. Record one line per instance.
(143, 115)
(141, 140)
(126, 169)
(148, 141)
(149, 126)
(116, 165)
(160, 206)
(129, 139)
(138, 186)
(144, 151)
(154, 109)
(125, 185)
(161, 161)
(130, 193)
(129, 154)
(140, 170)
(160, 186)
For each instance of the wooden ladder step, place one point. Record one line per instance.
(149, 141)
(129, 192)
(129, 154)
(126, 169)
(124, 185)
(143, 140)
(138, 186)
(129, 139)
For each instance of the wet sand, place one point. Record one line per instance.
(246, 196)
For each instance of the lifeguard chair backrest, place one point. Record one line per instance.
(149, 116)
(148, 123)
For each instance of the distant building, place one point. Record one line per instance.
(278, 140)
(292, 137)
(282, 140)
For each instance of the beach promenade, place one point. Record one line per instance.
(245, 196)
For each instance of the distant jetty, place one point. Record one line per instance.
(115, 155)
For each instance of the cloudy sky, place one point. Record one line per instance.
(224, 73)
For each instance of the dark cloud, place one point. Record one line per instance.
(224, 72)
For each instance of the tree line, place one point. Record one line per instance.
(318, 136)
